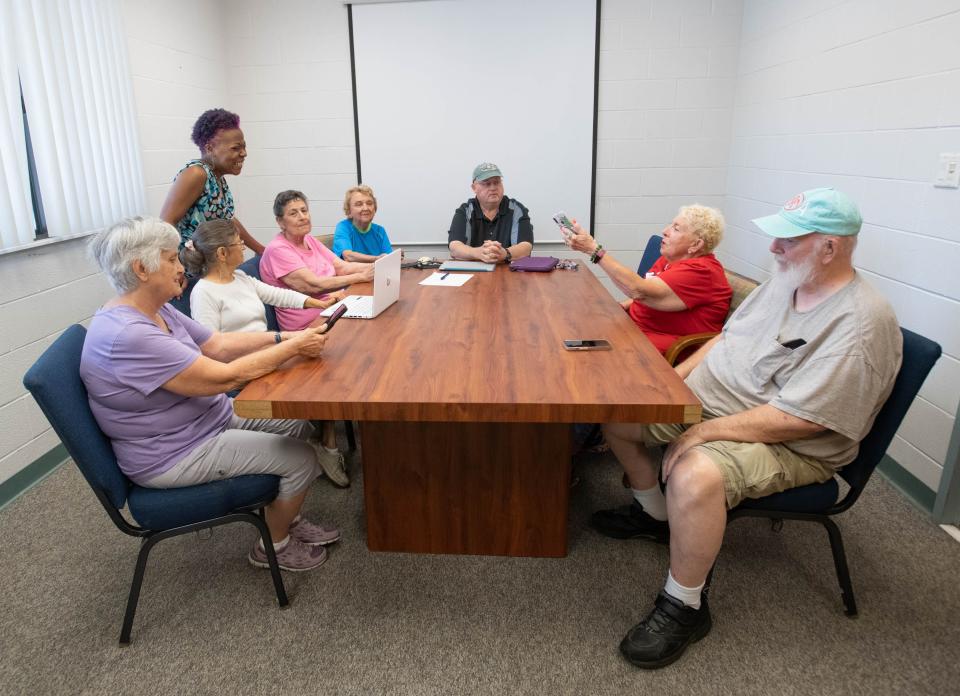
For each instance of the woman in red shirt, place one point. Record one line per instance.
(685, 291)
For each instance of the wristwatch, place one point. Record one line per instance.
(509, 257)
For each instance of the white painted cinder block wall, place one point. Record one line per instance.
(289, 79)
(863, 96)
(178, 71)
(176, 52)
(667, 84)
(44, 290)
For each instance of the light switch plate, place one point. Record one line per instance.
(948, 171)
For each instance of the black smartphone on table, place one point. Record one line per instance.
(586, 344)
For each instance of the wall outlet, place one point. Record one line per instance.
(948, 171)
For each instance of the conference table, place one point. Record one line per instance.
(465, 396)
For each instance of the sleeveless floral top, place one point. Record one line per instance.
(215, 203)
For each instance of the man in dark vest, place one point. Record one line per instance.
(490, 227)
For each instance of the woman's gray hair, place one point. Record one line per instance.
(133, 239)
(284, 198)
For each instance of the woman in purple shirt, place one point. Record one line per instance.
(157, 383)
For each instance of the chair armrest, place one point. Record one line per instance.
(685, 343)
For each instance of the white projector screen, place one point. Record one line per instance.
(442, 85)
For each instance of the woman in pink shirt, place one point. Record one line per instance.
(294, 259)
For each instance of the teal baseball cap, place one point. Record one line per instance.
(823, 210)
(485, 170)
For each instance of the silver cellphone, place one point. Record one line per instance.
(563, 222)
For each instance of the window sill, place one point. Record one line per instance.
(32, 246)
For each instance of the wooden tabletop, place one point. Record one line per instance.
(489, 351)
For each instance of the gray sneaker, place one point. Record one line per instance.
(295, 556)
(333, 465)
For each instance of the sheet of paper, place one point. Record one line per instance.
(452, 280)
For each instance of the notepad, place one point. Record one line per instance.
(454, 265)
(452, 280)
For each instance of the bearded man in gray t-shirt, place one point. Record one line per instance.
(789, 388)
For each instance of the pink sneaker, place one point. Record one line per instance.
(311, 534)
(295, 556)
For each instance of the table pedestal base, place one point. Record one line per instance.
(495, 489)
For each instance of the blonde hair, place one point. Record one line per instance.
(362, 188)
(706, 223)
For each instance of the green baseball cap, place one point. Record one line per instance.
(485, 170)
(823, 210)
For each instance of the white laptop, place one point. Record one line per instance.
(386, 291)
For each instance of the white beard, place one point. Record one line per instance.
(787, 279)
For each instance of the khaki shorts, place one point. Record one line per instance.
(749, 469)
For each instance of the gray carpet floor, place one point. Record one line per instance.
(417, 624)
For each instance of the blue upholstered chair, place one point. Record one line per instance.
(183, 302)
(54, 380)
(818, 502)
(651, 253)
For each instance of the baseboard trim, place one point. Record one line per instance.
(913, 488)
(25, 479)
(31, 475)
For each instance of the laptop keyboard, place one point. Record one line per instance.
(361, 307)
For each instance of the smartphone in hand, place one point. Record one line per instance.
(332, 319)
(563, 222)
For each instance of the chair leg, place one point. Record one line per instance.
(351, 438)
(134, 596)
(259, 522)
(840, 562)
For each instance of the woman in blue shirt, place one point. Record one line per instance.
(357, 238)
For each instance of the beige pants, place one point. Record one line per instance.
(749, 469)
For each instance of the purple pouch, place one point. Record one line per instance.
(535, 264)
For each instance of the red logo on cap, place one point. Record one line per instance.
(794, 202)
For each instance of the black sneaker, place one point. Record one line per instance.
(630, 522)
(661, 638)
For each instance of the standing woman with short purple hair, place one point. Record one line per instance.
(200, 192)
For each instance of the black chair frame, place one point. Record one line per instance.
(148, 539)
(91, 452)
(777, 517)
(919, 356)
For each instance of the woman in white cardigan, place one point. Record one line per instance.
(227, 299)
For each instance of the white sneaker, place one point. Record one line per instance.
(332, 464)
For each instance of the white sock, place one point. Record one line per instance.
(333, 450)
(688, 595)
(295, 520)
(652, 501)
(277, 545)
